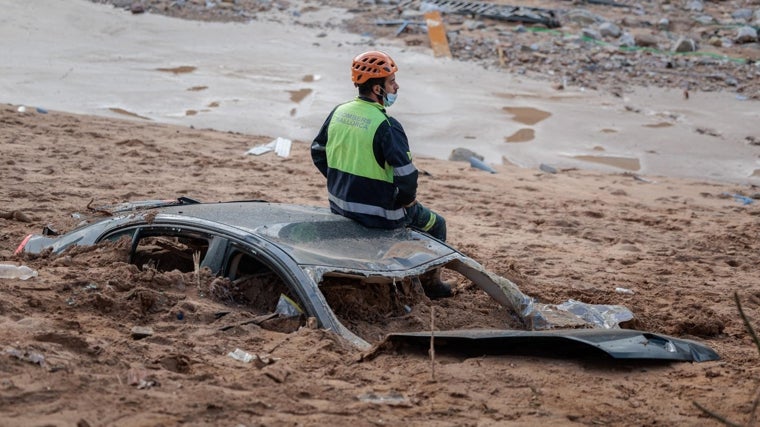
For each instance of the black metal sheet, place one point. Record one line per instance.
(615, 343)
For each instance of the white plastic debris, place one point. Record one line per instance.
(10, 271)
(281, 147)
(241, 355)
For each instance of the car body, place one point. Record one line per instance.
(305, 245)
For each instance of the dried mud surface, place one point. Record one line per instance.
(69, 356)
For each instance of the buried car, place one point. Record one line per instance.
(313, 259)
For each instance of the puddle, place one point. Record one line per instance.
(527, 115)
(299, 95)
(197, 88)
(182, 69)
(627, 163)
(128, 113)
(522, 135)
(311, 78)
(608, 130)
(659, 125)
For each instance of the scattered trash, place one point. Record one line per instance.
(624, 291)
(546, 168)
(281, 147)
(286, 307)
(479, 164)
(241, 355)
(744, 200)
(391, 399)
(26, 356)
(606, 316)
(402, 23)
(648, 181)
(140, 332)
(142, 378)
(245, 357)
(10, 271)
(41, 110)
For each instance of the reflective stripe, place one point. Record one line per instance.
(315, 146)
(362, 208)
(404, 170)
(430, 223)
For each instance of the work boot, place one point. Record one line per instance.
(434, 286)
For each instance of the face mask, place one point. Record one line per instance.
(389, 99)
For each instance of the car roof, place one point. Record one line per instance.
(316, 236)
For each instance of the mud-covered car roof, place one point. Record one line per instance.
(316, 236)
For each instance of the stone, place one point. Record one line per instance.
(140, 332)
(746, 34)
(608, 29)
(684, 44)
(645, 40)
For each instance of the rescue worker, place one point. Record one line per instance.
(364, 154)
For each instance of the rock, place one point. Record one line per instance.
(627, 40)
(463, 155)
(684, 44)
(743, 14)
(583, 17)
(592, 34)
(137, 8)
(663, 24)
(705, 19)
(645, 40)
(608, 29)
(695, 6)
(746, 34)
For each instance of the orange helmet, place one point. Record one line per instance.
(370, 65)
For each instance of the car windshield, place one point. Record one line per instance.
(349, 245)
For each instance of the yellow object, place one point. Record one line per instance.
(437, 34)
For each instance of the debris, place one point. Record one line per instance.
(744, 200)
(281, 147)
(546, 168)
(479, 164)
(26, 356)
(21, 109)
(241, 355)
(624, 291)
(286, 307)
(529, 15)
(140, 332)
(605, 316)
(391, 399)
(437, 34)
(245, 357)
(10, 271)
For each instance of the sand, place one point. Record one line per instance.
(682, 246)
